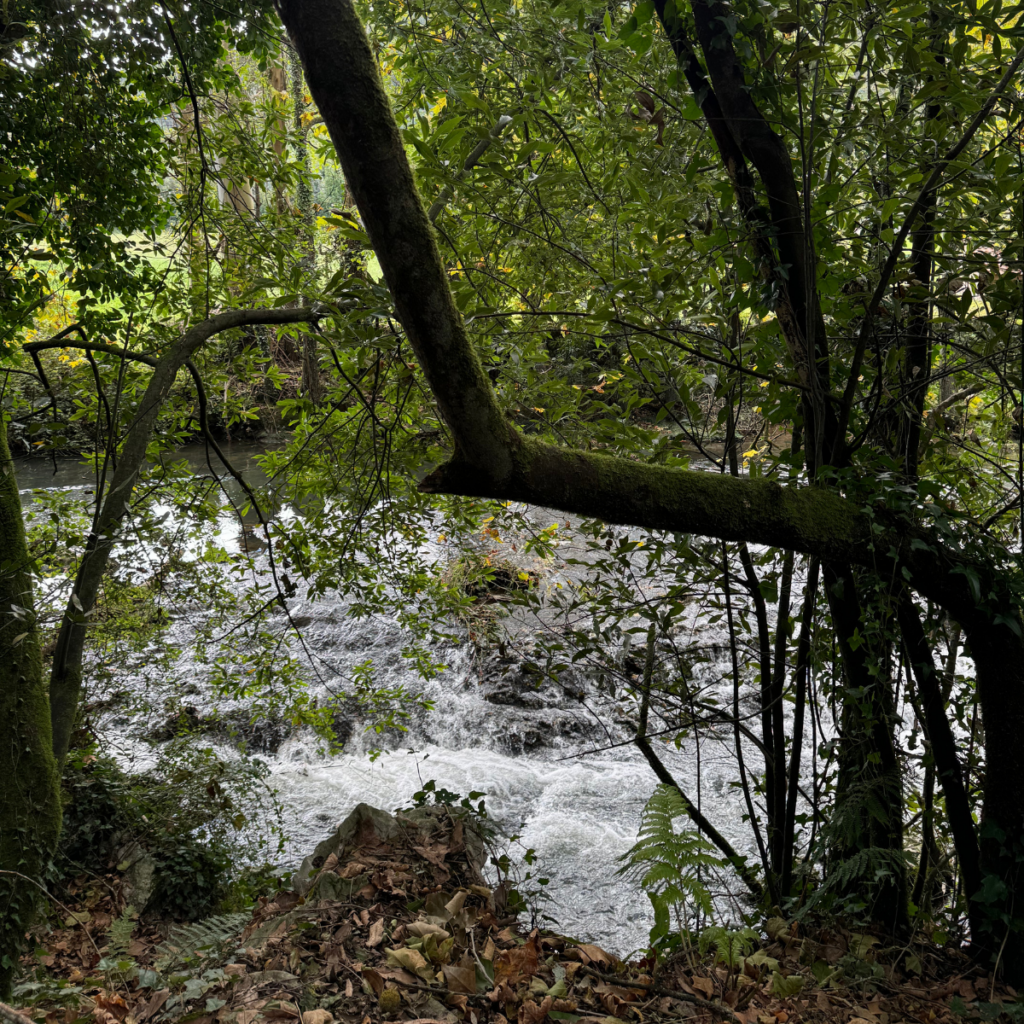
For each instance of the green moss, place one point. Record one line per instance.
(29, 797)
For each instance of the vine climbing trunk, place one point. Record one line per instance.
(30, 808)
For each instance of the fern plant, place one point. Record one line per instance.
(665, 862)
(184, 945)
(730, 946)
(118, 965)
(120, 936)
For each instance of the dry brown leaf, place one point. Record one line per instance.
(516, 965)
(410, 959)
(455, 904)
(458, 841)
(703, 985)
(460, 979)
(109, 1006)
(376, 935)
(421, 929)
(591, 954)
(374, 980)
(822, 1001)
(501, 993)
(155, 1001)
(531, 1013)
(318, 1016)
(433, 852)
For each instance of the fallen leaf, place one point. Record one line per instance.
(786, 988)
(376, 933)
(590, 954)
(515, 965)
(151, 1005)
(421, 929)
(703, 985)
(374, 980)
(411, 960)
(434, 852)
(317, 1016)
(455, 904)
(531, 1013)
(460, 979)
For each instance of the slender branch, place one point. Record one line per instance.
(920, 203)
(665, 777)
(8, 1013)
(471, 161)
(658, 990)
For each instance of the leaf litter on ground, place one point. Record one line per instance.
(391, 920)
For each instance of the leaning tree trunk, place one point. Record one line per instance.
(998, 652)
(30, 809)
(66, 674)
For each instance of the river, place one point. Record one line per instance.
(554, 761)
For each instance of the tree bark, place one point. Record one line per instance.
(943, 745)
(30, 806)
(66, 673)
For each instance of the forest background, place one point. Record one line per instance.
(745, 277)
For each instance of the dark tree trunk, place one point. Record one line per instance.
(30, 806)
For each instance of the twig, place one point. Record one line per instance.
(471, 161)
(434, 990)
(722, 1011)
(12, 1015)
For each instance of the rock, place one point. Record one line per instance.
(442, 838)
(186, 719)
(140, 875)
(364, 824)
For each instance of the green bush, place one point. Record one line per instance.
(191, 879)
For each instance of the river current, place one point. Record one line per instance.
(554, 761)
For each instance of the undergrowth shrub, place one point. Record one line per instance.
(209, 825)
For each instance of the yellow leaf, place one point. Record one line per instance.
(747, 455)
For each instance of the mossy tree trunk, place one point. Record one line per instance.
(30, 809)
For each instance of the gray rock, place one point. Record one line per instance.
(366, 826)
(361, 823)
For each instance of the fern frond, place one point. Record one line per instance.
(729, 946)
(120, 936)
(185, 942)
(663, 861)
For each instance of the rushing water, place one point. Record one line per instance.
(566, 779)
